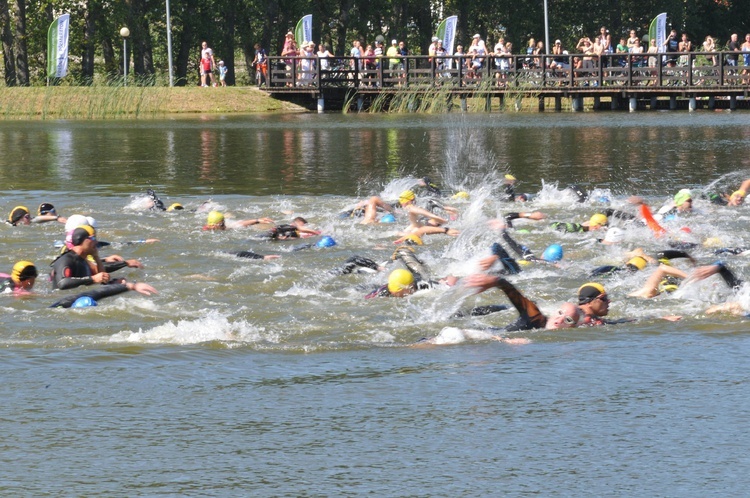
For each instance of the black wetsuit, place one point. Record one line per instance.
(282, 232)
(354, 263)
(70, 270)
(96, 294)
(158, 204)
(530, 317)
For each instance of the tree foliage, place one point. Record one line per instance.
(232, 27)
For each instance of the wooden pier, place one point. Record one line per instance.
(626, 81)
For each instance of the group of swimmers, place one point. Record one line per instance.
(80, 265)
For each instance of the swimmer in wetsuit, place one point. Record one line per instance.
(101, 292)
(403, 282)
(530, 317)
(667, 279)
(421, 221)
(216, 221)
(72, 269)
(21, 279)
(294, 230)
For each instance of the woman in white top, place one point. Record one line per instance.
(324, 54)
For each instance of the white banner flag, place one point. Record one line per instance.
(57, 47)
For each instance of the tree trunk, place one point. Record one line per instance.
(89, 32)
(110, 61)
(6, 34)
(22, 59)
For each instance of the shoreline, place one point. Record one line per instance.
(99, 102)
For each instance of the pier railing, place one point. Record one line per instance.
(536, 73)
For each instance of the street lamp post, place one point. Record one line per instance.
(169, 46)
(546, 29)
(125, 32)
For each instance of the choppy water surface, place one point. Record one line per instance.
(278, 378)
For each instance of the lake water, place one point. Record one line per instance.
(276, 378)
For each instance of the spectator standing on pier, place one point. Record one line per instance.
(673, 46)
(603, 46)
(501, 61)
(324, 55)
(289, 50)
(746, 58)
(632, 39)
(393, 58)
(733, 46)
(685, 45)
(709, 45)
(356, 53)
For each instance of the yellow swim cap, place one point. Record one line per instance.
(638, 262)
(461, 195)
(23, 270)
(399, 280)
(598, 220)
(669, 284)
(590, 291)
(738, 195)
(406, 196)
(215, 218)
(510, 177)
(17, 213)
(413, 240)
(175, 207)
(712, 242)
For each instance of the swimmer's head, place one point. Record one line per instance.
(74, 221)
(215, 219)
(175, 207)
(400, 282)
(566, 317)
(683, 196)
(668, 284)
(598, 220)
(713, 242)
(637, 262)
(413, 240)
(406, 197)
(84, 302)
(19, 216)
(509, 178)
(461, 195)
(24, 271)
(737, 197)
(388, 218)
(81, 234)
(554, 252)
(326, 241)
(46, 208)
(589, 292)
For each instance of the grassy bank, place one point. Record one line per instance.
(101, 102)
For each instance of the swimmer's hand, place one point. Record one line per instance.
(271, 256)
(265, 220)
(487, 262)
(141, 288)
(134, 263)
(151, 241)
(497, 224)
(672, 318)
(100, 278)
(534, 215)
(480, 281)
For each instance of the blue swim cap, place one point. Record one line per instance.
(326, 241)
(388, 218)
(553, 253)
(83, 302)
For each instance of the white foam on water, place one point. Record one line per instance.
(212, 327)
